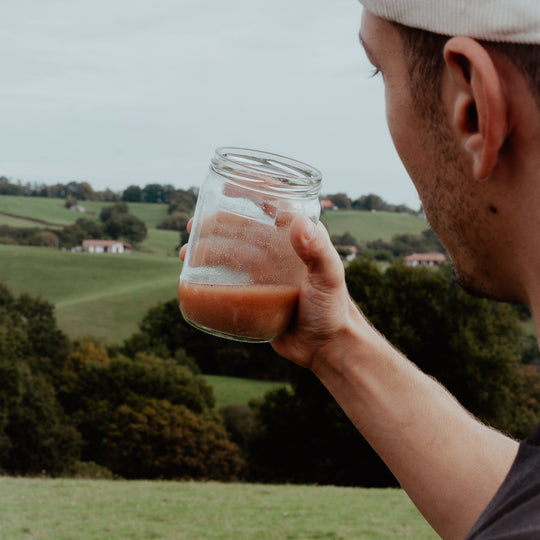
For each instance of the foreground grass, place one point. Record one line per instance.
(97, 509)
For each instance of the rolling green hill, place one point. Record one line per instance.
(364, 226)
(52, 212)
(107, 295)
(101, 295)
(368, 226)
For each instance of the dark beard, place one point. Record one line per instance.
(478, 290)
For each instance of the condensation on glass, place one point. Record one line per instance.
(241, 277)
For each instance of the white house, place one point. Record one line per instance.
(424, 259)
(106, 246)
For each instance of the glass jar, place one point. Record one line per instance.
(241, 277)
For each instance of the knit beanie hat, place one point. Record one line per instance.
(512, 21)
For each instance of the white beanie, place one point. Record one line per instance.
(513, 21)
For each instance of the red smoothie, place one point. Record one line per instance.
(259, 312)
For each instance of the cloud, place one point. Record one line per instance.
(126, 92)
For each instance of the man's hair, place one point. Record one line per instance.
(424, 53)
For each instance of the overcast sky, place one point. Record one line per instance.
(120, 92)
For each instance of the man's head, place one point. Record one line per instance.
(452, 107)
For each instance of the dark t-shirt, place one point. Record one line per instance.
(514, 512)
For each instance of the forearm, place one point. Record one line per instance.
(449, 463)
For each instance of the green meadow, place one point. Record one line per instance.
(234, 390)
(369, 226)
(101, 295)
(63, 509)
(107, 295)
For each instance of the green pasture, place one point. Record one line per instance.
(63, 509)
(368, 226)
(107, 295)
(52, 211)
(161, 242)
(364, 226)
(234, 390)
(103, 295)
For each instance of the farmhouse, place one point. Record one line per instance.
(424, 259)
(327, 204)
(106, 246)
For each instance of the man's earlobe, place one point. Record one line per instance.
(479, 104)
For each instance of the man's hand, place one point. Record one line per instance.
(325, 310)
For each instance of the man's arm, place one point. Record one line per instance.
(450, 464)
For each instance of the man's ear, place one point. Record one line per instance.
(479, 103)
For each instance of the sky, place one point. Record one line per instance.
(123, 92)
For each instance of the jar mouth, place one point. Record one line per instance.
(266, 171)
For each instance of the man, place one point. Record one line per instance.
(463, 106)
(464, 117)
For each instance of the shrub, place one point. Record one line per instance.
(150, 438)
(177, 221)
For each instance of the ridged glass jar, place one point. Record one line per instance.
(241, 277)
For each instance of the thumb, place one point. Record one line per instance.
(313, 245)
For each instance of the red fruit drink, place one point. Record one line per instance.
(253, 312)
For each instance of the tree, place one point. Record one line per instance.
(177, 221)
(84, 228)
(119, 223)
(119, 207)
(164, 332)
(156, 193)
(126, 227)
(472, 346)
(40, 438)
(34, 432)
(345, 239)
(182, 200)
(405, 244)
(341, 200)
(370, 202)
(149, 438)
(92, 386)
(132, 194)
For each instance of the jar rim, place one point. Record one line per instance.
(266, 170)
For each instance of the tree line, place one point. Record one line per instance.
(141, 409)
(381, 250)
(367, 203)
(168, 194)
(116, 222)
(82, 191)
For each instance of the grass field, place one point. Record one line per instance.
(233, 390)
(97, 509)
(368, 226)
(53, 211)
(101, 295)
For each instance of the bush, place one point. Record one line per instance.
(87, 470)
(164, 331)
(239, 421)
(177, 221)
(149, 438)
